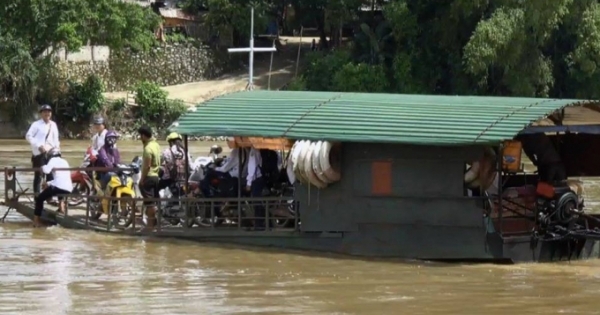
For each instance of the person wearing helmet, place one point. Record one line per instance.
(99, 136)
(61, 184)
(173, 162)
(42, 136)
(109, 157)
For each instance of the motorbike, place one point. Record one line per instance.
(124, 186)
(220, 185)
(84, 184)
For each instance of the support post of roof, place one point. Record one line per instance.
(251, 50)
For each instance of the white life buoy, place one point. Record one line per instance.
(472, 173)
(290, 169)
(300, 171)
(308, 168)
(316, 163)
(328, 168)
(296, 148)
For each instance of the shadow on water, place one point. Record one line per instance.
(59, 271)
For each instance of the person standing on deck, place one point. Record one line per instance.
(100, 135)
(42, 136)
(255, 184)
(173, 160)
(543, 154)
(60, 185)
(150, 168)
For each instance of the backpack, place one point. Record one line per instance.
(177, 170)
(269, 167)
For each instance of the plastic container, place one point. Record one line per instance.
(511, 156)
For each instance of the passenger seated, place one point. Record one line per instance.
(228, 173)
(108, 157)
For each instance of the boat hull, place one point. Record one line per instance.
(493, 247)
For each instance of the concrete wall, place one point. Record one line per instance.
(165, 65)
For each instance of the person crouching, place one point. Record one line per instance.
(61, 184)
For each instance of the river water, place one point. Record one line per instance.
(59, 271)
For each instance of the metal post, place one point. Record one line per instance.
(251, 50)
(187, 163)
(87, 211)
(251, 58)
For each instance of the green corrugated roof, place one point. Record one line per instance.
(367, 117)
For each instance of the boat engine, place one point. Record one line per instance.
(557, 207)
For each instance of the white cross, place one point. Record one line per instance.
(251, 50)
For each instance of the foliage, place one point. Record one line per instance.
(235, 14)
(32, 30)
(154, 107)
(322, 68)
(520, 48)
(370, 44)
(297, 84)
(361, 77)
(83, 100)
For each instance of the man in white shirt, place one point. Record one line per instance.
(99, 136)
(255, 185)
(42, 136)
(60, 185)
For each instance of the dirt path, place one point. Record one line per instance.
(282, 72)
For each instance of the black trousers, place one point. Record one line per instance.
(38, 161)
(46, 194)
(552, 173)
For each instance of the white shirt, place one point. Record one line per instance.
(62, 179)
(40, 134)
(254, 163)
(232, 164)
(98, 141)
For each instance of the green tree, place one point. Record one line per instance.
(233, 14)
(29, 28)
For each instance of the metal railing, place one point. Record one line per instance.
(186, 210)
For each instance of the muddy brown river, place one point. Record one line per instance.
(58, 271)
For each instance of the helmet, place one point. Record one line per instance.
(98, 121)
(216, 149)
(53, 153)
(111, 138)
(45, 107)
(173, 136)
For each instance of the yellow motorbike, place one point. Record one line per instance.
(122, 186)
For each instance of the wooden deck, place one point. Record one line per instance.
(76, 218)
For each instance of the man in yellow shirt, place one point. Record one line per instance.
(150, 166)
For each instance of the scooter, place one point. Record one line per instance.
(123, 185)
(84, 184)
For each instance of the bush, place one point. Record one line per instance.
(360, 77)
(155, 109)
(297, 84)
(321, 68)
(83, 100)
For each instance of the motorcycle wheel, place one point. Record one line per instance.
(201, 218)
(82, 191)
(123, 218)
(95, 209)
(284, 222)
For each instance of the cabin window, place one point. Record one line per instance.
(381, 178)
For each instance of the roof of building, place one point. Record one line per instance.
(367, 117)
